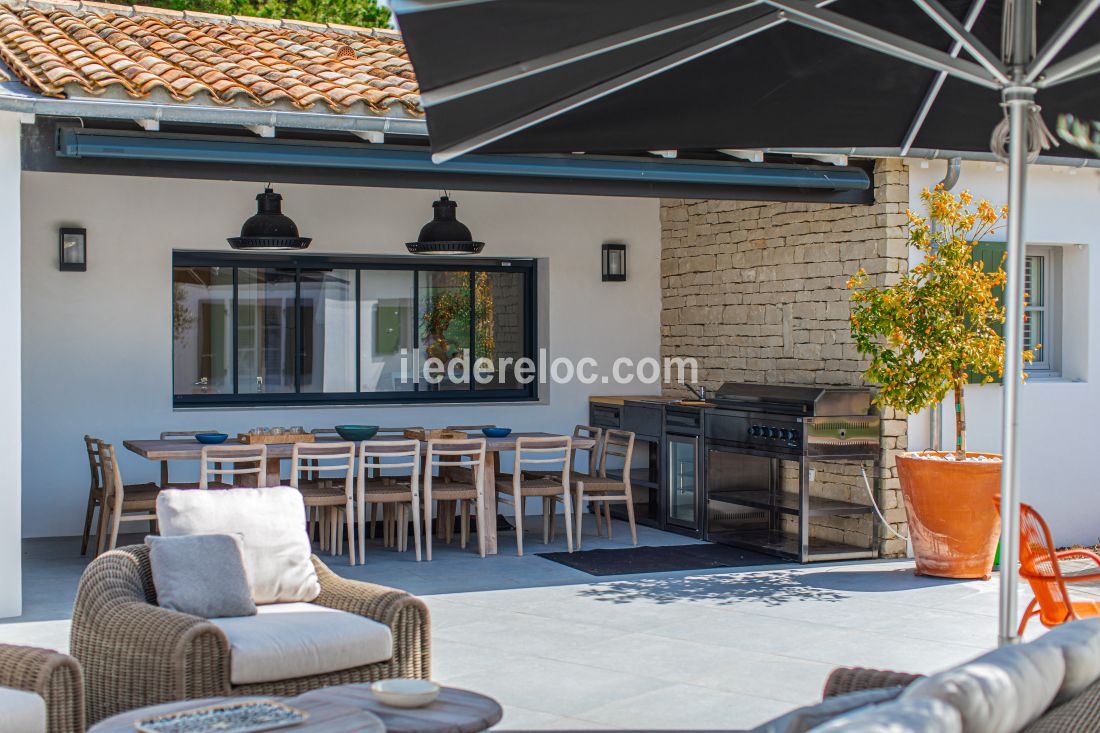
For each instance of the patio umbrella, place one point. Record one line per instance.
(854, 76)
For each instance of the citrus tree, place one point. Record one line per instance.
(927, 333)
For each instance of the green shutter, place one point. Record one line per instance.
(991, 255)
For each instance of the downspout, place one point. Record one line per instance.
(935, 415)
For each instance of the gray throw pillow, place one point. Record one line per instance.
(201, 575)
(811, 716)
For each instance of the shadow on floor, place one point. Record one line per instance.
(772, 588)
(875, 581)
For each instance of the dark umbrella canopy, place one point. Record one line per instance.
(603, 76)
(733, 75)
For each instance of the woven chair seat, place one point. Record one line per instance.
(321, 496)
(531, 486)
(390, 491)
(451, 491)
(140, 497)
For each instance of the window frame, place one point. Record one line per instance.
(1050, 366)
(528, 267)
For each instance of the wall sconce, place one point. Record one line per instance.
(73, 249)
(614, 262)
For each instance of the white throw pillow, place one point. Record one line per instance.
(1079, 642)
(272, 525)
(900, 716)
(999, 692)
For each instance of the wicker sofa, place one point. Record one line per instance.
(1049, 685)
(54, 677)
(135, 653)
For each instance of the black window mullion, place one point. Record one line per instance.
(234, 337)
(473, 331)
(358, 329)
(416, 330)
(297, 361)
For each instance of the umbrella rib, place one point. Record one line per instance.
(1077, 66)
(937, 83)
(962, 35)
(1062, 36)
(580, 52)
(610, 86)
(876, 39)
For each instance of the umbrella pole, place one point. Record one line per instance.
(1019, 100)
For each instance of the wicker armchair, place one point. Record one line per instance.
(135, 653)
(54, 677)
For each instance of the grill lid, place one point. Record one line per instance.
(791, 399)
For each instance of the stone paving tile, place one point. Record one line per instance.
(694, 650)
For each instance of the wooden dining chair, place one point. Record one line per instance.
(121, 502)
(604, 487)
(447, 511)
(398, 493)
(591, 467)
(533, 476)
(467, 454)
(223, 460)
(1041, 567)
(326, 496)
(96, 496)
(178, 435)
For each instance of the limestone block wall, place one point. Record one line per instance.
(756, 292)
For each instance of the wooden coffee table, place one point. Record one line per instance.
(351, 709)
(454, 711)
(324, 715)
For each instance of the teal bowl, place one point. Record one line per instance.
(496, 432)
(356, 432)
(211, 438)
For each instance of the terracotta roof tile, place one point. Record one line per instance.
(64, 48)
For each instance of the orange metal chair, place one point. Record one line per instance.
(1040, 566)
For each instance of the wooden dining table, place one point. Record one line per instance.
(191, 450)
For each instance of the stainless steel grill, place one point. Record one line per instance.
(756, 437)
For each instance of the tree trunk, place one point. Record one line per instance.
(960, 421)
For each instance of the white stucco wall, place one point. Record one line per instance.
(97, 346)
(1058, 433)
(11, 555)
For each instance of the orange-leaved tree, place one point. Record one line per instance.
(933, 328)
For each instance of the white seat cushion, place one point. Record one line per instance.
(1079, 642)
(21, 712)
(272, 525)
(999, 692)
(287, 640)
(900, 716)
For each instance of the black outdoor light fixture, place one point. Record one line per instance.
(444, 234)
(614, 262)
(269, 228)
(72, 249)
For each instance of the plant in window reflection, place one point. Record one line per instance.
(1085, 135)
(930, 330)
(183, 319)
(445, 323)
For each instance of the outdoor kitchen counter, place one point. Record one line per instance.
(620, 399)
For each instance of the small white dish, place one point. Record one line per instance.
(405, 693)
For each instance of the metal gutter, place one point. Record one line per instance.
(84, 143)
(16, 97)
(933, 154)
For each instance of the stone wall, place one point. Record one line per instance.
(756, 292)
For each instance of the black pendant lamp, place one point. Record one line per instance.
(269, 228)
(444, 234)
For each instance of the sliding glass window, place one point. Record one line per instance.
(309, 329)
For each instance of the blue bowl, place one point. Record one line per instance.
(496, 432)
(211, 438)
(356, 432)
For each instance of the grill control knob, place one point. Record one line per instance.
(790, 434)
(773, 432)
(755, 430)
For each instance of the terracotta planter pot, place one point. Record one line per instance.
(952, 520)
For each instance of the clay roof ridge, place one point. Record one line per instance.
(145, 11)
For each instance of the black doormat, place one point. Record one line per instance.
(635, 560)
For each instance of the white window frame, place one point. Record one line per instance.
(1050, 364)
